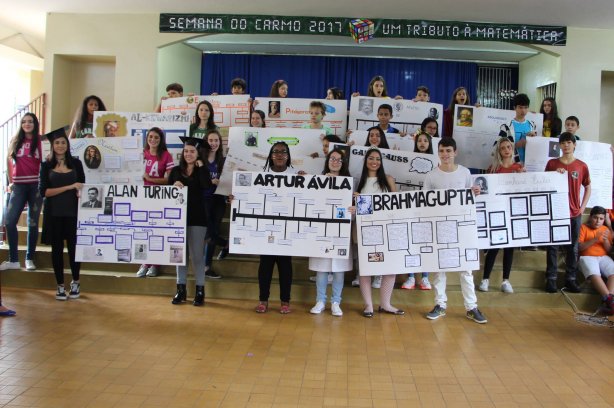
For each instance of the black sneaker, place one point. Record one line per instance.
(572, 287)
(551, 286)
(223, 254)
(212, 275)
(61, 293)
(75, 290)
(476, 316)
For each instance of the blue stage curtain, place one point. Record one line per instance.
(310, 76)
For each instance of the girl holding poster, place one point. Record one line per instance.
(279, 89)
(257, 119)
(503, 162)
(83, 125)
(60, 181)
(336, 164)
(460, 96)
(215, 204)
(375, 180)
(196, 180)
(204, 121)
(158, 165)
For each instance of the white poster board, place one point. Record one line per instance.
(476, 130)
(417, 231)
(248, 149)
(294, 113)
(408, 169)
(132, 224)
(110, 160)
(290, 214)
(522, 209)
(395, 140)
(228, 110)
(597, 156)
(407, 115)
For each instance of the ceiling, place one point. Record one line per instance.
(22, 23)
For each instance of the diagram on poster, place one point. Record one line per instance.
(408, 169)
(294, 113)
(132, 224)
(476, 130)
(407, 115)
(110, 160)
(522, 209)
(229, 110)
(395, 140)
(113, 124)
(417, 231)
(248, 149)
(290, 214)
(597, 156)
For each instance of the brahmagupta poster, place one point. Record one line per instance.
(417, 231)
(290, 214)
(132, 224)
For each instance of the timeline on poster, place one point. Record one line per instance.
(407, 115)
(248, 149)
(229, 110)
(294, 113)
(290, 214)
(522, 209)
(407, 168)
(120, 223)
(597, 156)
(476, 130)
(417, 231)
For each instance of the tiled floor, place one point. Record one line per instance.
(140, 351)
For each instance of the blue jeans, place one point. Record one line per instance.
(322, 282)
(21, 194)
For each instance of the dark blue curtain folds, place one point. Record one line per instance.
(310, 76)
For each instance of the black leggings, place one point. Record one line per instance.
(61, 229)
(489, 262)
(265, 275)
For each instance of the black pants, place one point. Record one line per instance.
(571, 260)
(265, 274)
(63, 229)
(491, 255)
(215, 207)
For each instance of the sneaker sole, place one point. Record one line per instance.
(337, 314)
(435, 317)
(316, 312)
(477, 321)
(74, 296)
(63, 298)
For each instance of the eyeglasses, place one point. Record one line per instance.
(280, 152)
(333, 160)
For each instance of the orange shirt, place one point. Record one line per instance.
(586, 234)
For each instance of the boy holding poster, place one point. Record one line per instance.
(520, 125)
(577, 175)
(451, 175)
(317, 111)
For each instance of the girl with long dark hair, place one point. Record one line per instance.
(83, 125)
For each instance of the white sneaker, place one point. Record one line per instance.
(9, 265)
(425, 284)
(30, 265)
(483, 286)
(409, 284)
(506, 287)
(318, 308)
(377, 282)
(75, 290)
(61, 293)
(336, 310)
(142, 272)
(356, 281)
(313, 278)
(152, 272)
(330, 278)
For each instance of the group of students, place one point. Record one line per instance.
(60, 177)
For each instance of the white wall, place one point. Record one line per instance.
(537, 71)
(179, 63)
(606, 123)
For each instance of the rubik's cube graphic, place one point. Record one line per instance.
(362, 30)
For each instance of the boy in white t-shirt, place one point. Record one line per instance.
(451, 175)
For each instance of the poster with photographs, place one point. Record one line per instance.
(597, 156)
(295, 113)
(476, 130)
(248, 149)
(132, 224)
(136, 124)
(522, 209)
(228, 110)
(417, 231)
(290, 214)
(408, 169)
(110, 160)
(407, 115)
(395, 140)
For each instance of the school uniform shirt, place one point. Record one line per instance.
(324, 128)
(86, 130)
(200, 133)
(459, 178)
(577, 175)
(586, 234)
(157, 167)
(26, 166)
(520, 132)
(392, 129)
